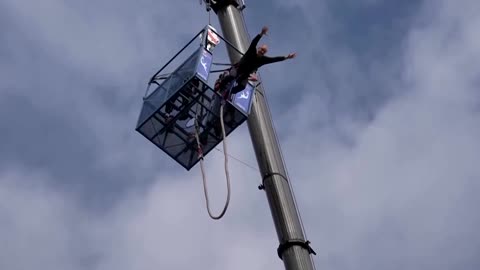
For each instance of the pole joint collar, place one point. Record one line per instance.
(295, 242)
(270, 174)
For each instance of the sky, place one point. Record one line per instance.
(377, 117)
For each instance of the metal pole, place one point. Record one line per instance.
(294, 250)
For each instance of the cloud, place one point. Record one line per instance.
(74, 77)
(400, 195)
(37, 224)
(148, 230)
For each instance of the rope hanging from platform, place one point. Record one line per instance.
(200, 156)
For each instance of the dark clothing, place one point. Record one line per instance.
(249, 63)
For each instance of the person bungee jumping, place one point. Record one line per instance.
(250, 62)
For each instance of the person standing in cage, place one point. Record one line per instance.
(250, 62)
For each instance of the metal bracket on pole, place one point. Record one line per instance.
(290, 243)
(242, 5)
(217, 5)
(268, 175)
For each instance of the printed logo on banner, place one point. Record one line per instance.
(204, 66)
(243, 98)
(244, 95)
(212, 37)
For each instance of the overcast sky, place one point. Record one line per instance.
(378, 119)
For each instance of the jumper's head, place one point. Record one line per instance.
(262, 50)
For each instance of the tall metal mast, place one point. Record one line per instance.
(294, 249)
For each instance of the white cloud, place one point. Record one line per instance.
(37, 224)
(166, 227)
(407, 182)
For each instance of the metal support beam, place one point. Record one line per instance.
(294, 249)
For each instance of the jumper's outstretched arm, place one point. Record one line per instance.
(254, 43)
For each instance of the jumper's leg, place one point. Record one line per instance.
(242, 83)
